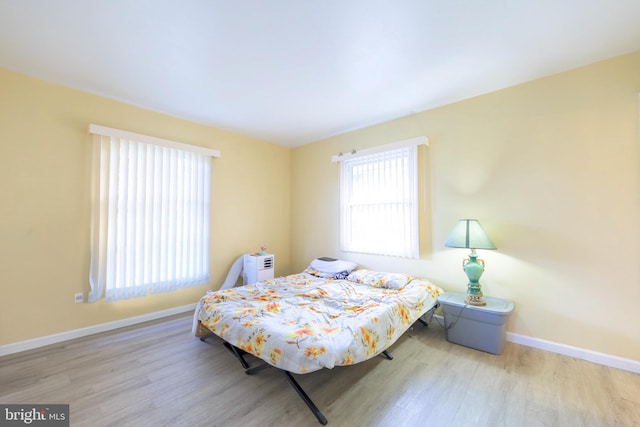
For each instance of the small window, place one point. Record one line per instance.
(379, 202)
(150, 230)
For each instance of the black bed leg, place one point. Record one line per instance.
(236, 353)
(429, 315)
(255, 369)
(387, 355)
(305, 398)
(204, 337)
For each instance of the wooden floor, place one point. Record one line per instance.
(158, 374)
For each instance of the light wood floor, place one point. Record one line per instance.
(158, 374)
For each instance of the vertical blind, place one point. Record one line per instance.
(379, 212)
(150, 218)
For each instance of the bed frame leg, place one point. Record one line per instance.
(428, 314)
(255, 369)
(236, 353)
(204, 338)
(388, 355)
(305, 398)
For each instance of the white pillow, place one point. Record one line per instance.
(380, 279)
(330, 265)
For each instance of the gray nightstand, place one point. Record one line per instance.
(480, 327)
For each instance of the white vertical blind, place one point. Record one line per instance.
(379, 203)
(151, 218)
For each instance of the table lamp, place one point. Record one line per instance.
(468, 233)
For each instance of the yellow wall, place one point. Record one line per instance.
(551, 168)
(45, 159)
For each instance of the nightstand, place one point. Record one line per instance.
(481, 327)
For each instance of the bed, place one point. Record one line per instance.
(316, 319)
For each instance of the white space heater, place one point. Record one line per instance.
(256, 268)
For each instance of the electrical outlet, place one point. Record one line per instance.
(79, 297)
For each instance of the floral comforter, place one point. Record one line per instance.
(301, 323)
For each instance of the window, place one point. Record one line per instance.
(379, 200)
(150, 229)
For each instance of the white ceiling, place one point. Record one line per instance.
(295, 71)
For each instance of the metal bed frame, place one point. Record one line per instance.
(239, 354)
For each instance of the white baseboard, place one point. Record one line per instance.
(578, 353)
(567, 350)
(82, 332)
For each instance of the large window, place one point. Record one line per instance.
(379, 201)
(150, 230)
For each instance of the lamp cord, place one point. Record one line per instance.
(452, 324)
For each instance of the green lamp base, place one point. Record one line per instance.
(474, 267)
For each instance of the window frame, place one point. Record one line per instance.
(409, 245)
(161, 178)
